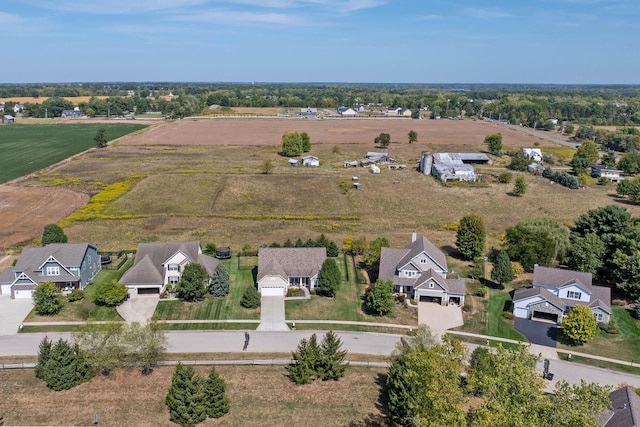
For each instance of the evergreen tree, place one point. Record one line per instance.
(53, 234)
(502, 271)
(101, 138)
(250, 298)
(306, 357)
(329, 277)
(65, 367)
(185, 398)
(333, 250)
(219, 286)
(330, 365)
(216, 403)
(287, 244)
(520, 186)
(47, 300)
(44, 350)
(470, 236)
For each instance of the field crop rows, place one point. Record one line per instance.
(28, 148)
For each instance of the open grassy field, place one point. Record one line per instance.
(26, 149)
(260, 396)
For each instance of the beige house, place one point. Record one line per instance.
(280, 268)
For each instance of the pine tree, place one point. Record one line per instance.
(250, 298)
(66, 367)
(185, 398)
(43, 355)
(330, 365)
(329, 277)
(219, 286)
(502, 271)
(303, 371)
(216, 402)
(520, 186)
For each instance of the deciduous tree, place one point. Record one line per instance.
(193, 283)
(413, 136)
(384, 139)
(494, 142)
(47, 300)
(588, 150)
(379, 299)
(580, 325)
(292, 144)
(470, 236)
(306, 142)
(371, 255)
(110, 293)
(586, 253)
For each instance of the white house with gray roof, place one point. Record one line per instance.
(68, 265)
(160, 264)
(420, 271)
(554, 292)
(280, 268)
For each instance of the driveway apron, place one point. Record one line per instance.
(272, 314)
(12, 313)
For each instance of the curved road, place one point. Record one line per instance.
(529, 131)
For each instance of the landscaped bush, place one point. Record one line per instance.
(482, 292)
(508, 315)
(110, 294)
(250, 298)
(609, 328)
(75, 295)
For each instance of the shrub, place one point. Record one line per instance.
(110, 294)
(609, 328)
(482, 292)
(401, 298)
(75, 295)
(505, 177)
(47, 299)
(619, 302)
(508, 315)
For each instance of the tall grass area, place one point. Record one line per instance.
(622, 346)
(213, 308)
(28, 148)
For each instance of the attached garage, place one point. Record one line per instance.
(541, 315)
(22, 294)
(148, 291)
(426, 298)
(272, 291)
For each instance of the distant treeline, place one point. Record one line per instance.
(529, 105)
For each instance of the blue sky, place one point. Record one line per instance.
(381, 41)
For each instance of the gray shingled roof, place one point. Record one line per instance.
(625, 407)
(452, 286)
(556, 277)
(422, 244)
(601, 296)
(523, 293)
(389, 259)
(290, 262)
(148, 266)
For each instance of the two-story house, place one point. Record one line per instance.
(554, 292)
(68, 265)
(420, 271)
(280, 268)
(158, 265)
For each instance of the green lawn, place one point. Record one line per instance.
(622, 346)
(213, 308)
(28, 148)
(497, 325)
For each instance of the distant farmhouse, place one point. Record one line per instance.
(452, 166)
(534, 154)
(612, 174)
(308, 111)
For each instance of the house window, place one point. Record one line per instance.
(599, 317)
(423, 260)
(574, 295)
(431, 285)
(174, 267)
(410, 273)
(174, 280)
(53, 271)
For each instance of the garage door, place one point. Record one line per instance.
(424, 298)
(541, 315)
(272, 292)
(148, 291)
(23, 294)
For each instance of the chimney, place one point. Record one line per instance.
(414, 236)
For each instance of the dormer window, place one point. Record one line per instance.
(423, 260)
(431, 285)
(574, 295)
(410, 273)
(53, 271)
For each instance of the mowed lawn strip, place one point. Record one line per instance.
(28, 148)
(497, 325)
(622, 346)
(260, 396)
(213, 308)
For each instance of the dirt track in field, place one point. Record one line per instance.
(24, 211)
(252, 131)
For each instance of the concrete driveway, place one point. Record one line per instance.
(12, 313)
(138, 309)
(541, 333)
(272, 314)
(439, 317)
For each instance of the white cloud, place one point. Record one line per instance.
(486, 13)
(239, 17)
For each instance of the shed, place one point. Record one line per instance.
(357, 185)
(375, 169)
(294, 162)
(310, 161)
